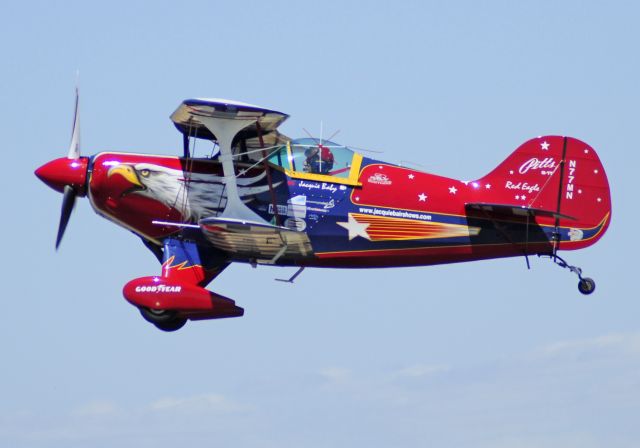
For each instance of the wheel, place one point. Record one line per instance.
(586, 286)
(165, 320)
(173, 325)
(157, 316)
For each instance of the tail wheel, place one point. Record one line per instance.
(586, 285)
(165, 320)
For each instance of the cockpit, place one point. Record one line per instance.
(308, 158)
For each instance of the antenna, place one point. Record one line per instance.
(320, 150)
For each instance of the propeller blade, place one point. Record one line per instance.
(74, 147)
(68, 201)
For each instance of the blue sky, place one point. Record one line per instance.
(473, 355)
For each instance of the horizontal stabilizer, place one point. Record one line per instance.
(505, 210)
(253, 240)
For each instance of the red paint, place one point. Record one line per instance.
(109, 193)
(584, 189)
(160, 293)
(64, 171)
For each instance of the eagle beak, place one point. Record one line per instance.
(127, 172)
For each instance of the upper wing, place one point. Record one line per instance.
(262, 133)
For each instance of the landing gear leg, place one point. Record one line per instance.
(586, 285)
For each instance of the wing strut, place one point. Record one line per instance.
(267, 169)
(225, 130)
(185, 145)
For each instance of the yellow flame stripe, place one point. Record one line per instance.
(383, 228)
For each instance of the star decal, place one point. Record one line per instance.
(523, 197)
(453, 190)
(422, 197)
(488, 186)
(595, 171)
(411, 176)
(518, 196)
(510, 171)
(355, 228)
(599, 199)
(544, 146)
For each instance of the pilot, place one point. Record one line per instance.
(319, 160)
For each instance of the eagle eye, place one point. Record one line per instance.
(145, 172)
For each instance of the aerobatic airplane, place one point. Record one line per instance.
(263, 198)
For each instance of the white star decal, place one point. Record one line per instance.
(510, 171)
(586, 151)
(453, 190)
(357, 198)
(544, 145)
(518, 196)
(599, 199)
(595, 171)
(579, 191)
(523, 197)
(488, 186)
(422, 197)
(355, 228)
(411, 176)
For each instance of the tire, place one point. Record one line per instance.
(586, 286)
(165, 320)
(174, 325)
(157, 316)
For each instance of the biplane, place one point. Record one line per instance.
(263, 198)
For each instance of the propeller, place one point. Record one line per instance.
(68, 202)
(74, 146)
(70, 193)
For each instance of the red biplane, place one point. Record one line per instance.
(260, 197)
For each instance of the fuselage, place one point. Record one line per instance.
(393, 216)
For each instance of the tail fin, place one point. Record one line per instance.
(559, 174)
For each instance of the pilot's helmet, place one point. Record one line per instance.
(310, 152)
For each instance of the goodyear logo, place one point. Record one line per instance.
(158, 288)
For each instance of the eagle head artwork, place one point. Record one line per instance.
(194, 195)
